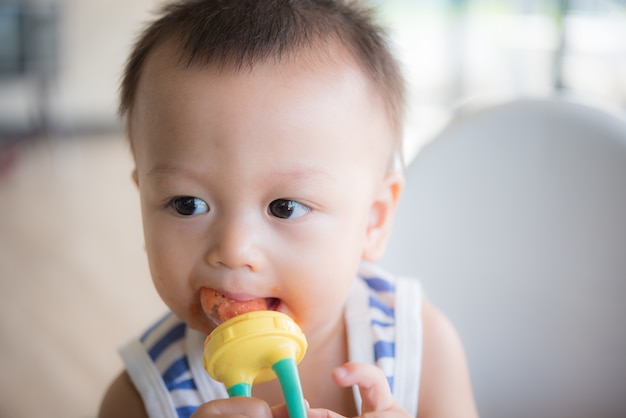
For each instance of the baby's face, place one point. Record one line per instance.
(263, 187)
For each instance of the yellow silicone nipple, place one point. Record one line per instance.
(247, 348)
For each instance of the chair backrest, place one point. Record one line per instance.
(514, 219)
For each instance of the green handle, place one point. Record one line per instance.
(287, 373)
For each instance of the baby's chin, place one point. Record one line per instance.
(220, 308)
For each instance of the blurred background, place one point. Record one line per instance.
(74, 283)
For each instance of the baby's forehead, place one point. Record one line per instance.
(325, 63)
(323, 69)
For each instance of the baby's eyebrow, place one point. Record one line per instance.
(304, 174)
(162, 171)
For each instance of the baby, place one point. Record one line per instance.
(266, 136)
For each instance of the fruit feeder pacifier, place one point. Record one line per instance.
(256, 347)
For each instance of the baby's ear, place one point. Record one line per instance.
(381, 216)
(135, 177)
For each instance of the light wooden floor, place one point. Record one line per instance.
(74, 283)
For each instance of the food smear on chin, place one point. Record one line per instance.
(220, 308)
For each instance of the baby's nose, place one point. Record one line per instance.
(234, 244)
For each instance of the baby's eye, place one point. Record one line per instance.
(189, 205)
(287, 209)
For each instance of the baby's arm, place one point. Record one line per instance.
(122, 400)
(445, 388)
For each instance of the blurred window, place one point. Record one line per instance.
(456, 51)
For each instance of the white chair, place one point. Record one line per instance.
(514, 219)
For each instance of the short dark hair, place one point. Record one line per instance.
(235, 34)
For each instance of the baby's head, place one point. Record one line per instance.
(263, 132)
(237, 35)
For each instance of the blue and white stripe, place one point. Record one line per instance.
(165, 345)
(382, 319)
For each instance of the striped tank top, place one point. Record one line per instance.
(384, 325)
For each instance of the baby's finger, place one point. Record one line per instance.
(372, 383)
(238, 407)
(280, 411)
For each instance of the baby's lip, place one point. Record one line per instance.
(220, 307)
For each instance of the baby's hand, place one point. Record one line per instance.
(372, 384)
(373, 387)
(239, 407)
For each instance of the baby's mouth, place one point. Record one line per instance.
(220, 308)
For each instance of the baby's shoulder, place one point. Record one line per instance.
(122, 400)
